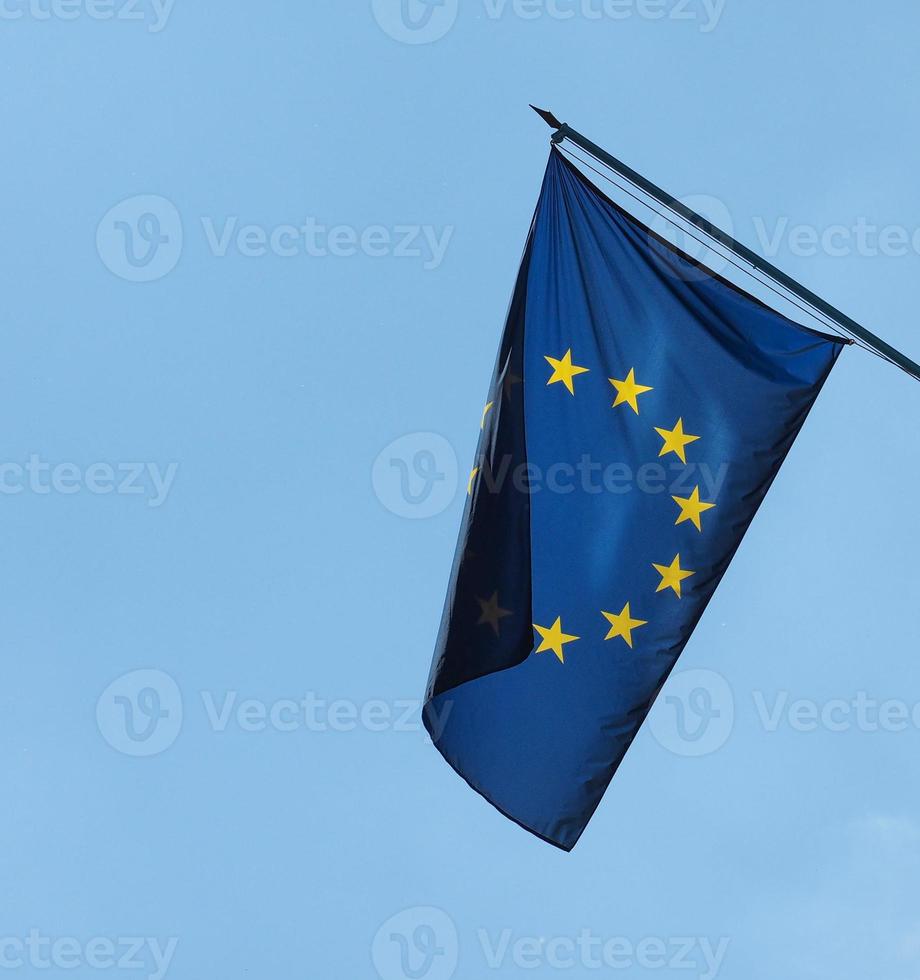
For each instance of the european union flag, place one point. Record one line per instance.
(640, 409)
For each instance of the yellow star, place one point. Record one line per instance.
(622, 625)
(553, 638)
(485, 412)
(691, 507)
(469, 488)
(672, 575)
(675, 440)
(564, 370)
(492, 612)
(628, 391)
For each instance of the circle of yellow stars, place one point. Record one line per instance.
(674, 440)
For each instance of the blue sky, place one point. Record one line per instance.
(247, 249)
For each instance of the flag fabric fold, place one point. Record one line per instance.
(640, 408)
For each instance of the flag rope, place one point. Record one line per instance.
(838, 320)
(773, 286)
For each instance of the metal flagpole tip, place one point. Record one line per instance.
(547, 117)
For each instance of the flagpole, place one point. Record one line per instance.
(565, 132)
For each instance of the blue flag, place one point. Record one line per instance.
(640, 409)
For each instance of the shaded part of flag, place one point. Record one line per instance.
(578, 584)
(486, 624)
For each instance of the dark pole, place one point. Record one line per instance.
(565, 132)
